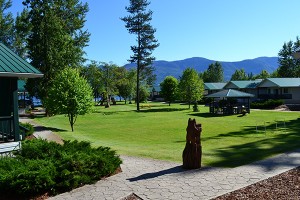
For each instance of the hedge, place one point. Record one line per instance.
(47, 167)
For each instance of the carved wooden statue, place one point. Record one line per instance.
(192, 152)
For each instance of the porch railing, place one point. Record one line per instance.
(6, 128)
(275, 96)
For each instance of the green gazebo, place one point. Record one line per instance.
(12, 67)
(230, 102)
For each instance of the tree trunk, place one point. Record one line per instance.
(169, 103)
(71, 120)
(138, 75)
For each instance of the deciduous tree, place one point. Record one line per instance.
(126, 85)
(191, 86)
(138, 23)
(56, 39)
(169, 89)
(69, 94)
(93, 75)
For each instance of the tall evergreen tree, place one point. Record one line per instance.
(138, 23)
(214, 73)
(56, 39)
(21, 33)
(6, 23)
(239, 75)
(288, 65)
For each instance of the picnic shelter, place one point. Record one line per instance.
(230, 101)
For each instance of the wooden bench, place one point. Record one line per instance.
(7, 148)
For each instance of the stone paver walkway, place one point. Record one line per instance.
(154, 179)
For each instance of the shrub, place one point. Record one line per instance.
(268, 104)
(43, 166)
(29, 127)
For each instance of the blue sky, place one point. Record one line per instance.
(223, 30)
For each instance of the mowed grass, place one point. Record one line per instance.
(159, 132)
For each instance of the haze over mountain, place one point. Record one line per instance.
(175, 68)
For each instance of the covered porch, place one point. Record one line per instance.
(12, 67)
(229, 102)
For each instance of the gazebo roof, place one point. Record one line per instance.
(12, 65)
(230, 93)
(214, 86)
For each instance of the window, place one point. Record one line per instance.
(285, 90)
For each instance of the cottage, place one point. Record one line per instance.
(287, 89)
(244, 86)
(12, 67)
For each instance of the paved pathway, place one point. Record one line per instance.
(153, 179)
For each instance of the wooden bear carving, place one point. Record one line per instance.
(192, 152)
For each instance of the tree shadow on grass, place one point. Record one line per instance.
(163, 110)
(43, 128)
(237, 155)
(207, 115)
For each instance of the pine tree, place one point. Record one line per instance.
(6, 23)
(138, 23)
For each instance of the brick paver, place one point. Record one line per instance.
(153, 179)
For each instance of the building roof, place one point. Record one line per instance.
(230, 93)
(12, 65)
(242, 84)
(280, 82)
(214, 86)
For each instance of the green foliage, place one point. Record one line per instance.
(110, 79)
(288, 66)
(169, 89)
(268, 104)
(93, 75)
(56, 39)
(213, 74)
(126, 84)
(43, 166)
(144, 93)
(239, 75)
(70, 94)
(263, 75)
(138, 23)
(7, 23)
(29, 127)
(191, 87)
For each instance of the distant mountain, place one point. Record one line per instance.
(175, 68)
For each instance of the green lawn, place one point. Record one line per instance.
(159, 132)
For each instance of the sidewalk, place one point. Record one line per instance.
(42, 132)
(155, 179)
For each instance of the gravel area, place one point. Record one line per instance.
(281, 187)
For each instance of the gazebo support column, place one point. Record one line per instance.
(16, 127)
